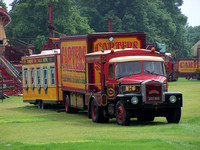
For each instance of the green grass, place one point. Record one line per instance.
(23, 126)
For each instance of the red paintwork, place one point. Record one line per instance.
(94, 110)
(120, 113)
(66, 106)
(109, 25)
(50, 45)
(12, 83)
(138, 78)
(5, 16)
(56, 76)
(153, 90)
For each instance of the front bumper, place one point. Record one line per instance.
(126, 99)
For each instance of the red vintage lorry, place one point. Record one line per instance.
(113, 75)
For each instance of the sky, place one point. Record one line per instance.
(190, 8)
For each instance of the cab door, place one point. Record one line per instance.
(112, 87)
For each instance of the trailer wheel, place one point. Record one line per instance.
(39, 104)
(122, 115)
(188, 76)
(43, 105)
(174, 115)
(68, 109)
(96, 112)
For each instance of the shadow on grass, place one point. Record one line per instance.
(58, 113)
(31, 108)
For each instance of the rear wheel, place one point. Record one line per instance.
(43, 106)
(39, 104)
(97, 112)
(174, 115)
(68, 108)
(187, 77)
(122, 115)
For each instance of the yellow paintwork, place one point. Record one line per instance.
(116, 43)
(53, 94)
(73, 76)
(188, 66)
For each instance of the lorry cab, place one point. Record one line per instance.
(130, 71)
(137, 68)
(134, 85)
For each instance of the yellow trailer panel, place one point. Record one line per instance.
(41, 78)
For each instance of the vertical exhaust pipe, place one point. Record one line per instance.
(109, 25)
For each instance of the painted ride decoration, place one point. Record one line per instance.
(190, 68)
(111, 75)
(10, 80)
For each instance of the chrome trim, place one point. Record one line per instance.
(143, 89)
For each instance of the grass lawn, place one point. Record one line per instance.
(23, 126)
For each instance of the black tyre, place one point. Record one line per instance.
(68, 108)
(174, 115)
(188, 77)
(43, 106)
(121, 114)
(96, 112)
(39, 104)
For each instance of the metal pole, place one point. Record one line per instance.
(2, 88)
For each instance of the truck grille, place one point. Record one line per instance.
(153, 92)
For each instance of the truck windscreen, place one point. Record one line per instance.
(127, 68)
(154, 67)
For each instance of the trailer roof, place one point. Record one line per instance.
(48, 52)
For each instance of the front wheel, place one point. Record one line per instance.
(121, 114)
(174, 115)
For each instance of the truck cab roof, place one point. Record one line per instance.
(103, 52)
(135, 58)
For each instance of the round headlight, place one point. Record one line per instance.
(172, 99)
(134, 100)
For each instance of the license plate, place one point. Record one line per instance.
(153, 98)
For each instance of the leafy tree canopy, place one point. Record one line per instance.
(29, 20)
(3, 5)
(161, 20)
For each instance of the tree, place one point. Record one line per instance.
(193, 34)
(3, 5)
(161, 20)
(29, 20)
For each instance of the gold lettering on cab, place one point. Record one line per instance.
(130, 88)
